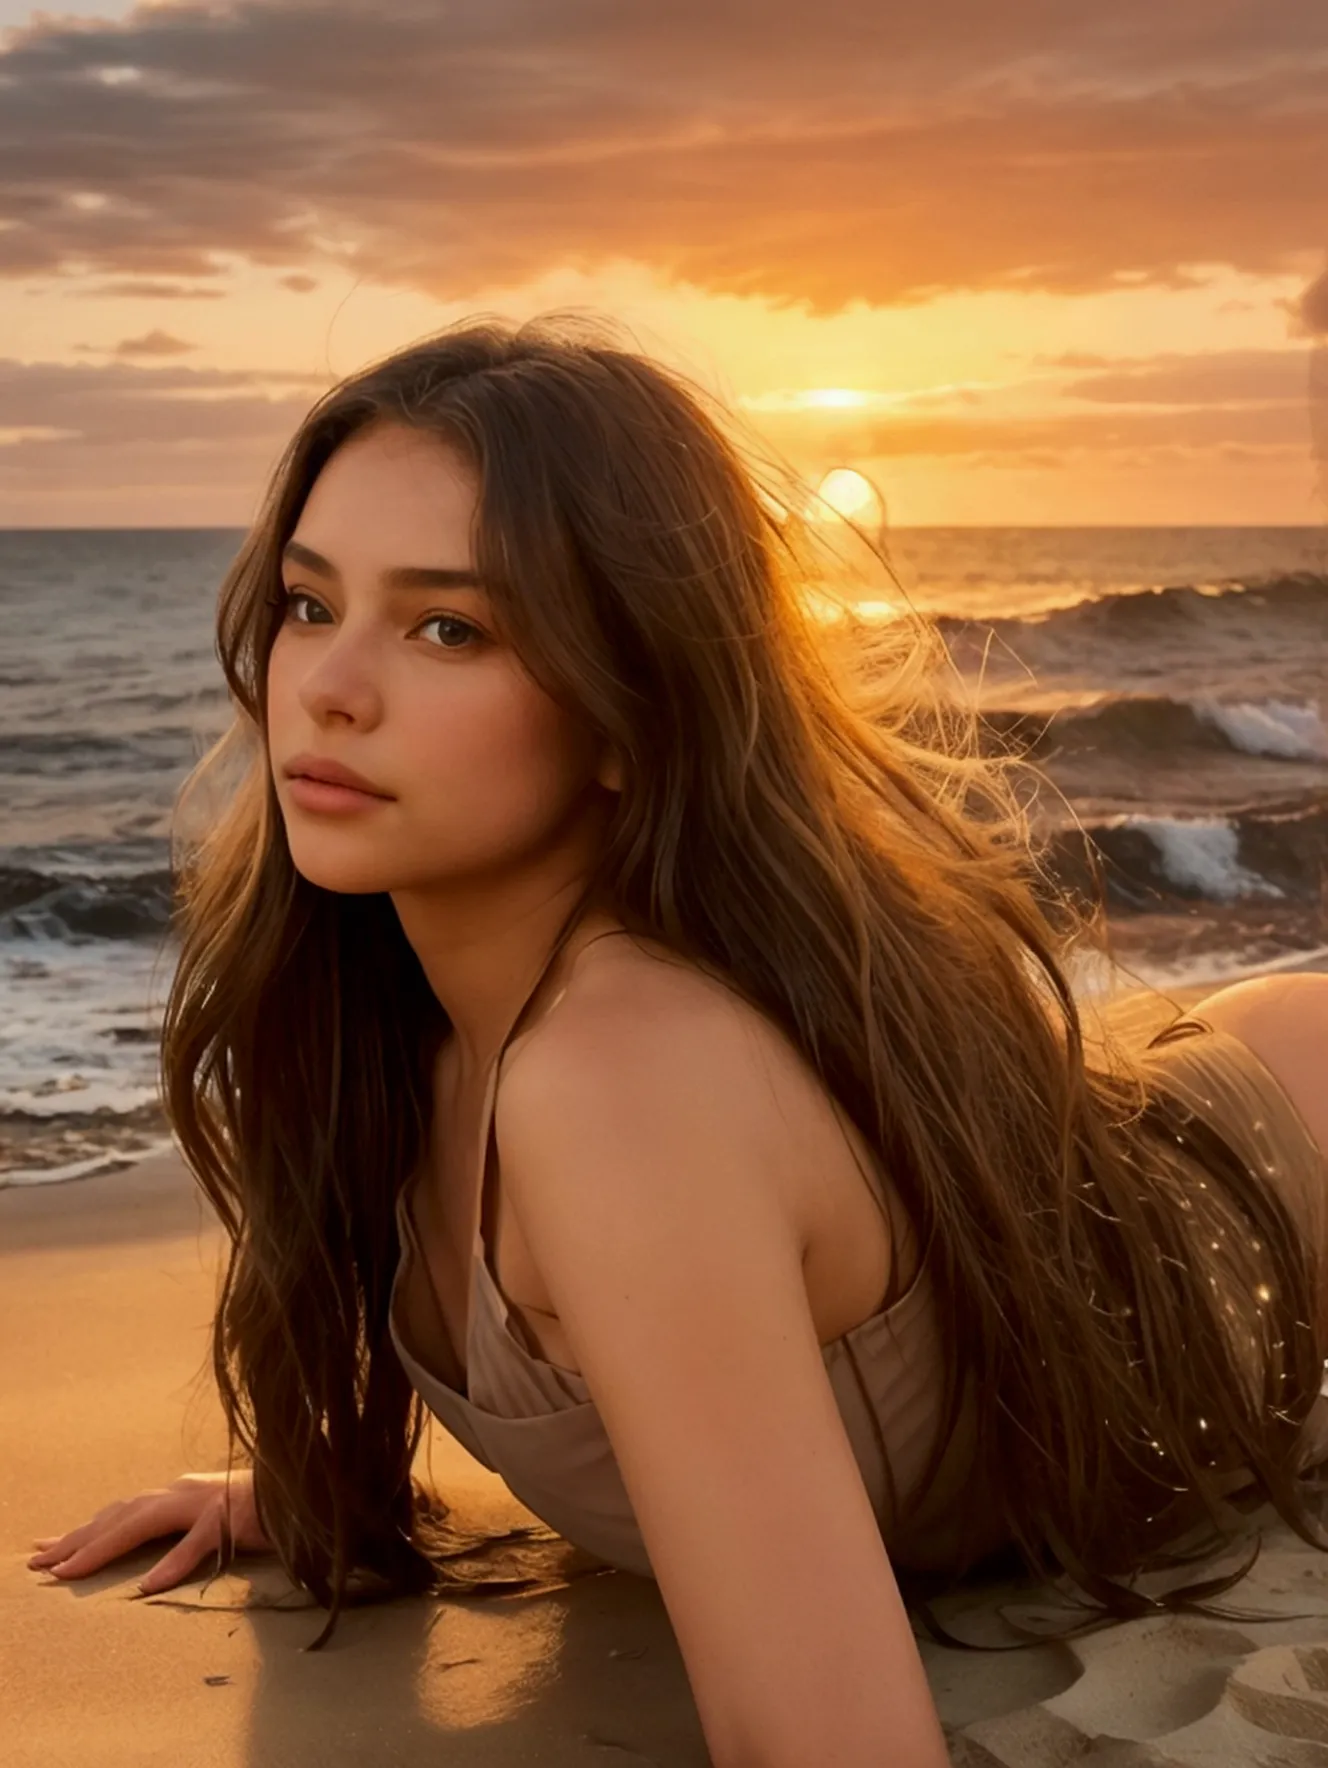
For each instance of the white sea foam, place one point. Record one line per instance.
(105, 1161)
(73, 1094)
(79, 1025)
(1290, 729)
(1200, 854)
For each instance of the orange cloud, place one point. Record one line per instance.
(1277, 427)
(1219, 378)
(819, 154)
(154, 343)
(1236, 399)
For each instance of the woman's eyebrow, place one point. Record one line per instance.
(429, 577)
(401, 577)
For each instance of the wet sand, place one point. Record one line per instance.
(106, 1293)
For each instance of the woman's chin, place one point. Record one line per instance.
(342, 874)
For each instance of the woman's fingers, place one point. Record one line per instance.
(184, 1556)
(192, 1505)
(61, 1546)
(87, 1549)
(58, 1546)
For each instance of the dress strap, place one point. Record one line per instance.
(511, 1036)
(405, 1218)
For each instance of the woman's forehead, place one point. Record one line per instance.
(395, 504)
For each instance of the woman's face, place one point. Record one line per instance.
(389, 662)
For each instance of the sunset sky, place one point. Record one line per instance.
(1022, 261)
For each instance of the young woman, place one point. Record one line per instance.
(624, 1009)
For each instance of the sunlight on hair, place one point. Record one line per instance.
(828, 611)
(822, 607)
(778, 509)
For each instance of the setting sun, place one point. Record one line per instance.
(835, 399)
(850, 493)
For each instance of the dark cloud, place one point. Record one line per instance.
(1312, 309)
(154, 343)
(117, 442)
(807, 153)
(117, 404)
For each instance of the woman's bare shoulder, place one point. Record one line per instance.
(638, 996)
(640, 1025)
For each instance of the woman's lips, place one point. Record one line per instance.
(312, 794)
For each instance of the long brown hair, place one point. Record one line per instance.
(809, 810)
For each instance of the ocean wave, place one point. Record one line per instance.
(1278, 852)
(75, 1098)
(159, 700)
(41, 905)
(105, 1160)
(46, 1148)
(155, 749)
(1298, 596)
(1288, 730)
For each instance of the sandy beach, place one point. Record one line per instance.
(106, 1291)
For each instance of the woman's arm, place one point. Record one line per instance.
(638, 1163)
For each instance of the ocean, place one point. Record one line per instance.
(1174, 681)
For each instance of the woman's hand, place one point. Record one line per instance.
(194, 1503)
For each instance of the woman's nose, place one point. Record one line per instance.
(343, 682)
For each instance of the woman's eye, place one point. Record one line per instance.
(293, 598)
(452, 629)
(455, 634)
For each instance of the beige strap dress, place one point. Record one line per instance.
(536, 1425)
